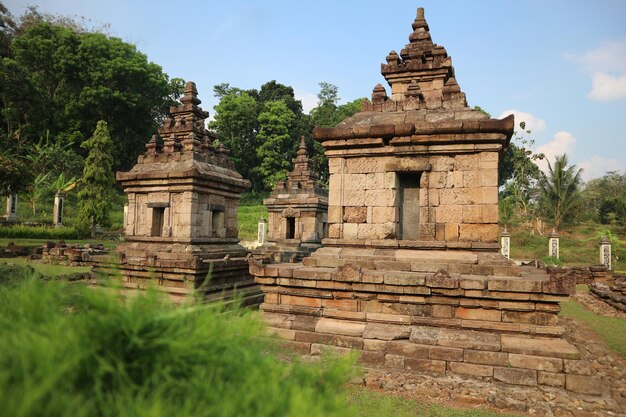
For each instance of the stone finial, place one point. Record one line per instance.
(393, 58)
(191, 94)
(451, 86)
(379, 94)
(152, 145)
(302, 149)
(420, 21)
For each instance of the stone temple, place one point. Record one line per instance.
(298, 212)
(410, 273)
(181, 227)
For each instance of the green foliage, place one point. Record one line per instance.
(518, 174)
(275, 146)
(95, 196)
(611, 329)
(40, 232)
(60, 79)
(552, 261)
(605, 198)
(560, 190)
(70, 350)
(238, 124)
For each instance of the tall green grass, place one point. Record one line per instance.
(67, 350)
(248, 220)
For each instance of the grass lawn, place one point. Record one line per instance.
(375, 404)
(578, 245)
(248, 219)
(611, 329)
(46, 269)
(39, 242)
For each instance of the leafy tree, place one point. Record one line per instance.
(36, 190)
(560, 189)
(275, 150)
(97, 183)
(518, 172)
(61, 78)
(604, 198)
(237, 125)
(8, 28)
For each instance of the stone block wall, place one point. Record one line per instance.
(458, 197)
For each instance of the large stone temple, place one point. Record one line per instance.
(410, 273)
(181, 227)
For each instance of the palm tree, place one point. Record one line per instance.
(560, 189)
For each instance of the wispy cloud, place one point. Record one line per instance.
(606, 87)
(562, 143)
(309, 100)
(597, 166)
(607, 66)
(533, 123)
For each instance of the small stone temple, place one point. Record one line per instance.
(297, 213)
(411, 272)
(181, 225)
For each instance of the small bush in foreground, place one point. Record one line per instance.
(72, 351)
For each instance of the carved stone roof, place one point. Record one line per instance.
(301, 184)
(425, 103)
(188, 149)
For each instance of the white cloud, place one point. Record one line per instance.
(597, 166)
(562, 142)
(533, 123)
(610, 56)
(309, 100)
(607, 66)
(607, 87)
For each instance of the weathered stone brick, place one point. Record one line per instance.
(516, 376)
(470, 369)
(386, 331)
(372, 358)
(551, 379)
(342, 327)
(514, 285)
(446, 353)
(538, 363)
(442, 311)
(577, 367)
(540, 346)
(408, 349)
(442, 281)
(486, 358)
(428, 366)
(394, 361)
(355, 214)
(478, 314)
(584, 384)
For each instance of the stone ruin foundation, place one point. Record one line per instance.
(298, 213)
(411, 273)
(181, 226)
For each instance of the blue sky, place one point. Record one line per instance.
(560, 65)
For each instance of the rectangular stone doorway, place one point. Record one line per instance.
(409, 205)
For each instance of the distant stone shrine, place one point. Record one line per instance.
(298, 213)
(181, 221)
(411, 272)
(57, 210)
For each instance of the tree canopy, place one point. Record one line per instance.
(58, 81)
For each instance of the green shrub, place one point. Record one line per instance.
(41, 232)
(68, 350)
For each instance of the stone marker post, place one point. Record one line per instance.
(125, 215)
(505, 244)
(57, 212)
(605, 252)
(11, 208)
(553, 245)
(262, 231)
